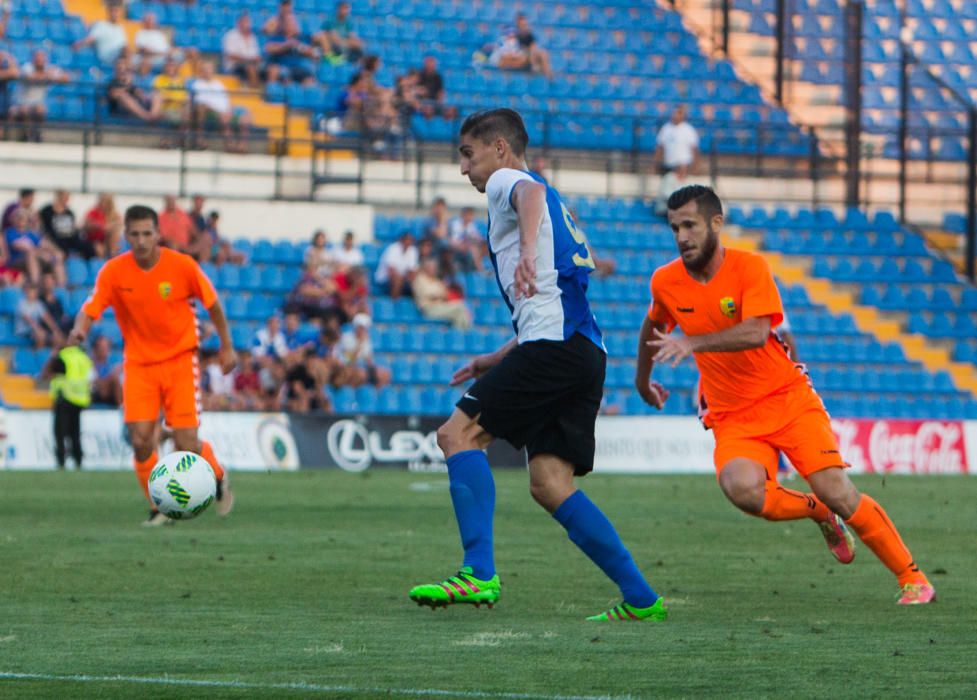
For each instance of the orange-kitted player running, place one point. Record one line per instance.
(755, 398)
(152, 290)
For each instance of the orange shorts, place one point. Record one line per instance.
(794, 422)
(173, 385)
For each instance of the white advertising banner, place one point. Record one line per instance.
(653, 445)
(242, 441)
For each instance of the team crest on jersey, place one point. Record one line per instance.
(727, 306)
(164, 289)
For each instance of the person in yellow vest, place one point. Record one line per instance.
(71, 372)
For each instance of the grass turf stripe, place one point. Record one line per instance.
(299, 686)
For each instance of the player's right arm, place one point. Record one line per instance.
(99, 300)
(657, 320)
(482, 364)
(653, 393)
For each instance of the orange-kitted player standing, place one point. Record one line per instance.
(152, 291)
(754, 397)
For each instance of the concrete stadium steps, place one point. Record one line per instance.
(265, 115)
(20, 390)
(949, 245)
(868, 319)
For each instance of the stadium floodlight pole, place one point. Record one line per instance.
(904, 38)
(781, 32)
(725, 11)
(971, 191)
(853, 86)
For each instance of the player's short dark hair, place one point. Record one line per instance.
(140, 212)
(26, 192)
(491, 124)
(706, 200)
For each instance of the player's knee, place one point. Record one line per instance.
(450, 439)
(142, 447)
(841, 497)
(743, 490)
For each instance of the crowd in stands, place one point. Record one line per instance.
(155, 82)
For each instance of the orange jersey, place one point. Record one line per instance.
(154, 307)
(742, 288)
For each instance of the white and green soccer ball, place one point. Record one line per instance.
(182, 485)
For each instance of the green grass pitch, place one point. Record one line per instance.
(302, 592)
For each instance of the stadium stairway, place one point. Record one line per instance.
(19, 390)
(265, 115)
(868, 319)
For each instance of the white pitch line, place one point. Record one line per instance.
(297, 686)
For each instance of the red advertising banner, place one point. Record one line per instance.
(902, 446)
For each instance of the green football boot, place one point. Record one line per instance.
(462, 588)
(629, 613)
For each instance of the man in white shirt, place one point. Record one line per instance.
(355, 351)
(348, 255)
(240, 50)
(397, 266)
(676, 151)
(466, 240)
(108, 37)
(211, 101)
(152, 45)
(30, 98)
(269, 342)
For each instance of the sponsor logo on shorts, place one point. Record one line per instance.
(727, 306)
(685, 309)
(466, 395)
(829, 452)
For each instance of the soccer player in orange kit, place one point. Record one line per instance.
(756, 400)
(152, 290)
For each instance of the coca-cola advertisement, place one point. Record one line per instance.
(902, 446)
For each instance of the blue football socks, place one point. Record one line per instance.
(473, 496)
(590, 530)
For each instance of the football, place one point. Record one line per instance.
(182, 485)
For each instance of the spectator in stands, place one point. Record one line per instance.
(431, 90)
(198, 216)
(211, 101)
(323, 363)
(289, 58)
(221, 250)
(34, 323)
(407, 95)
(397, 266)
(125, 96)
(30, 98)
(103, 226)
(30, 252)
(318, 257)
(302, 392)
(295, 337)
(152, 45)
(107, 385)
(25, 201)
(436, 224)
(348, 254)
(108, 36)
(368, 107)
(58, 224)
(218, 388)
(8, 73)
(269, 342)
(506, 54)
(284, 21)
(352, 292)
(676, 150)
(337, 38)
(174, 97)
(467, 241)
(247, 383)
(355, 350)
(538, 57)
(53, 305)
(435, 300)
(313, 296)
(241, 52)
(175, 225)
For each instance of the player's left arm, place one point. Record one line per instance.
(203, 289)
(529, 201)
